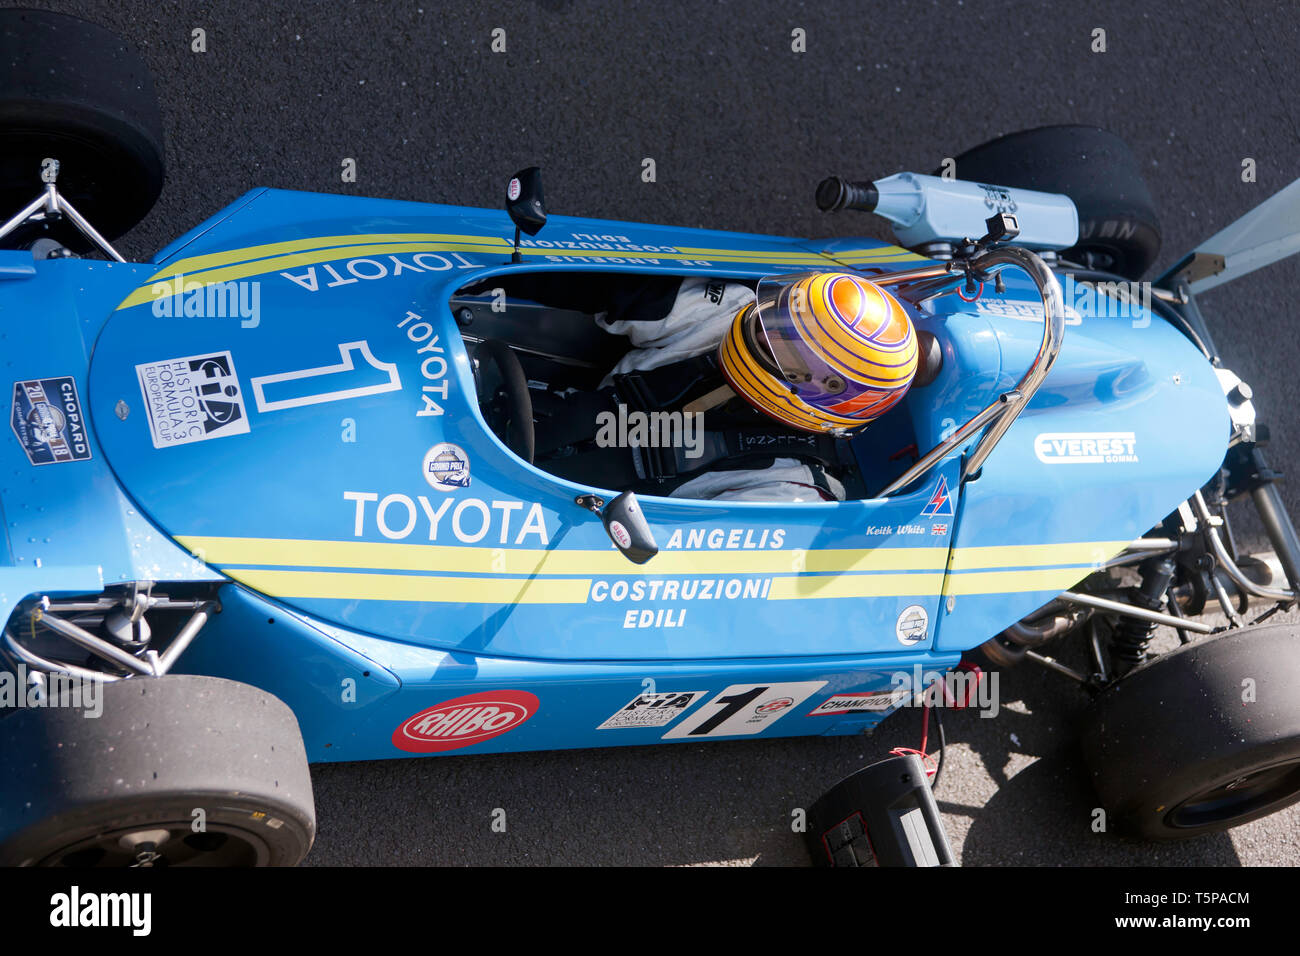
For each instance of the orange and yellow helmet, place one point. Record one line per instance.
(823, 352)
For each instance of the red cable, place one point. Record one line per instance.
(949, 700)
(925, 738)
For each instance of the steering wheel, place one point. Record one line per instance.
(520, 435)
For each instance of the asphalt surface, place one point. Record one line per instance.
(741, 128)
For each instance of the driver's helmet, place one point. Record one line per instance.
(823, 352)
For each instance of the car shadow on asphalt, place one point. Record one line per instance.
(1042, 810)
(1045, 816)
(1014, 792)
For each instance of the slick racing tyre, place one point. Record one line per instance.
(175, 771)
(1201, 739)
(73, 91)
(1118, 228)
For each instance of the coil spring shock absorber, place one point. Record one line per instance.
(1132, 635)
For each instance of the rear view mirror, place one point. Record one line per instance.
(524, 200)
(525, 204)
(625, 524)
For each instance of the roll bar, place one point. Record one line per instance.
(1001, 413)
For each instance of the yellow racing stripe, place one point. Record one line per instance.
(1014, 582)
(865, 257)
(248, 253)
(764, 255)
(232, 264)
(531, 576)
(816, 587)
(163, 281)
(1093, 553)
(281, 552)
(212, 269)
(413, 587)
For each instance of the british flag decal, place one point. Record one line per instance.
(940, 502)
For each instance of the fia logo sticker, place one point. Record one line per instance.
(192, 399)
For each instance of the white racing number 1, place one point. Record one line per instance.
(328, 383)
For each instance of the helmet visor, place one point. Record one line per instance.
(827, 332)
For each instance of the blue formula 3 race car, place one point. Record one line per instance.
(270, 498)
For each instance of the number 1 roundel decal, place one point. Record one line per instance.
(743, 709)
(464, 721)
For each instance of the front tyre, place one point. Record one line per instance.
(175, 771)
(73, 91)
(1201, 739)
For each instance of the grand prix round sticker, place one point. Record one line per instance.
(912, 625)
(446, 466)
(464, 721)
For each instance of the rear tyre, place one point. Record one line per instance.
(1178, 747)
(73, 91)
(176, 771)
(1119, 231)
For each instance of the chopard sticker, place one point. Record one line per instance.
(47, 418)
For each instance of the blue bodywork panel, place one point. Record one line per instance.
(277, 433)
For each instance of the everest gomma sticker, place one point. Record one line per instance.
(1085, 448)
(653, 710)
(192, 399)
(743, 709)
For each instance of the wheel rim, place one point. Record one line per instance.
(1253, 793)
(163, 844)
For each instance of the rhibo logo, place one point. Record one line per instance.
(466, 720)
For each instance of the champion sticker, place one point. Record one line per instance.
(192, 399)
(859, 703)
(652, 710)
(446, 467)
(912, 625)
(465, 721)
(47, 418)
